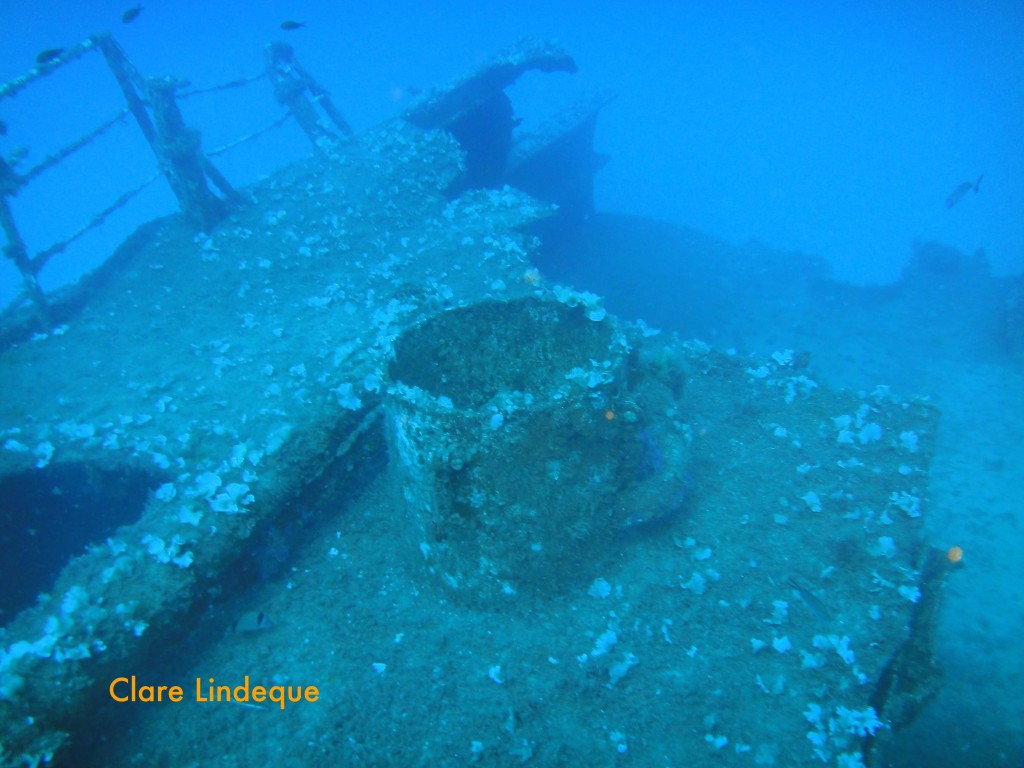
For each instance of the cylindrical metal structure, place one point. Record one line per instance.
(518, 447)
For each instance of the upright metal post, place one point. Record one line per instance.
(181, 156)
(291, 82)
(15, 248)
(176, 147)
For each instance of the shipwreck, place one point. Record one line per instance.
(490, 521)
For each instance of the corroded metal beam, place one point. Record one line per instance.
(441, 109)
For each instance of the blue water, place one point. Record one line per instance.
(833, 130)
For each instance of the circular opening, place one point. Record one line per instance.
(472, 353)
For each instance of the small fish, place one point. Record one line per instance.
(3, 128)
(962, 189)
(50, 54)
(288, 26)
(131, 14)
(247, 705)
(251, 621)
(818, 608)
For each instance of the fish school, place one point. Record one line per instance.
(125, 689)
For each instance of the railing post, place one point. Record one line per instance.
(176, 147)
(15, 248)
(290, 82)
(181, 156)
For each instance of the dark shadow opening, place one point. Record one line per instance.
(98, 726)
(49, 515)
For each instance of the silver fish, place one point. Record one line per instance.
(251, 621)
(818, 608)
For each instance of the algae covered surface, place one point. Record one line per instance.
(495, 549)
(688, 645)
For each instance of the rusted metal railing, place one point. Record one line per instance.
(291, 83)
(203, 193)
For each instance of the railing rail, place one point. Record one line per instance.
(188, 170)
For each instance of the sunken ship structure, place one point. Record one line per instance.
(337, 429)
